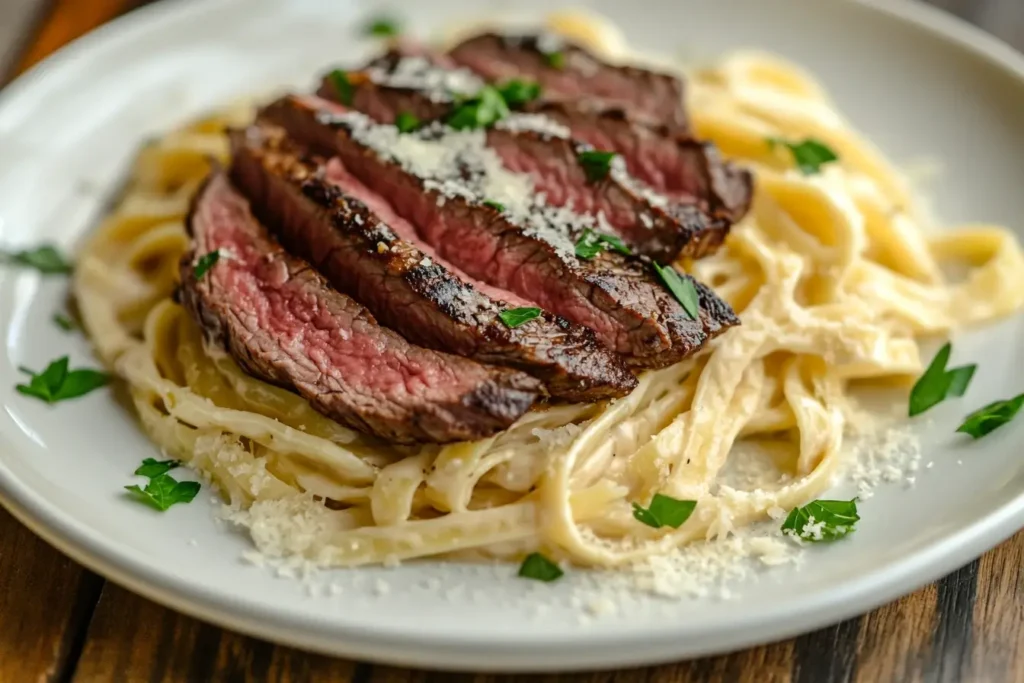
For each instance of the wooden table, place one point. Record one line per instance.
(60, 622)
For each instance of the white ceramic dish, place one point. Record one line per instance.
(918, 82)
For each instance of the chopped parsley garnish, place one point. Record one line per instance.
(516, 93)
(163, 491)
(682, 289)
(591, 243)
(596, 163)
(809, 155)
(45, 258)
(479, 111)
(937, 383)
(540, 568)
(151, 467)
(991, 417)
(514, 317)
(57, 383)
(382, 27)
(407, 122)
(205, 262)
(556, 59)
(64, 322)
(664, 511)
(497, 206)
(342, 86)
(822, 520)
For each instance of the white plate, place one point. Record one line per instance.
(919, 83)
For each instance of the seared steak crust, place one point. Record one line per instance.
(284, 323)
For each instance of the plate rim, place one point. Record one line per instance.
(422, 648)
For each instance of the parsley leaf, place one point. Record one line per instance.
(540, 568)
(44, 258)
(682, 288)
(163, 491)
(596, 164)
(822, 520)
(151, 467)
(342, 86)
(591, 243)
(407, 122)
(809, 154)
(479, 111)
(937, 383)
(514, 317)
(497, 206)
(57, 383)
(516, 93)
(556, 59)
(64, 322)
(205, 262)
(991, 417)
(664, 511)
(382, 27)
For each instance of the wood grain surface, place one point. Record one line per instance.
(60, 622)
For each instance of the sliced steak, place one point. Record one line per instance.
(444, 183)
(284, 323)
(566, 71)
(354, 237)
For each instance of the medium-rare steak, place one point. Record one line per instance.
(284, 323)
(566, 71)
(489, 222)
(653, 224)
(355, 238)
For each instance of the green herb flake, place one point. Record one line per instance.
(64, 322)
(151, 467)
(514, 317)
(58, 383)
(937, 383)
(382, 27)
(556, 59)
(497, 206)
(342, 86)
(809, 155)
(407, 122)
(205, 262)
(591, 243)
(822, 520)
(44, 258)
(163, 491)
(516, 93)
(991, 417)
(483, 109)
(682, 289)
(664, 511)
(540, 568)
(596, 164)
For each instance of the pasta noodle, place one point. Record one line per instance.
(835, 276)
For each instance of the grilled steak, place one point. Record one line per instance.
(284, 323)
(354, 237)
(653, 224)
(489, 222)
(566, 71)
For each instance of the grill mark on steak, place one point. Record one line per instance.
(539, 145)
(650, 96)
(438, 180)
(284, 323)
(358, 242)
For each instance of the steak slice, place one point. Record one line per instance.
(284, 323)
(567, 71)
(355, 238)
(488, 221)
(653, 224)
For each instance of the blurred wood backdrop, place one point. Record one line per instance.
(60, 622)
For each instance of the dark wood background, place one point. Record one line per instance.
(60, 622)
